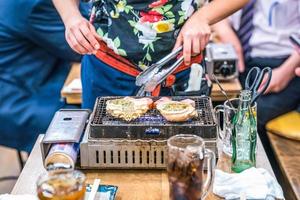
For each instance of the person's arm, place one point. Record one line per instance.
(48, 31)
(297, 70)
(80, 33)
(284, 74)
(226, 34)
(196, 31)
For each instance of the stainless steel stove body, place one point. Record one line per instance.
(110, 143)
(142, 144)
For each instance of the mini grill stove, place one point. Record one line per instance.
(142, 143)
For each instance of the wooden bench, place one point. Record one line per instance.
(284, 135)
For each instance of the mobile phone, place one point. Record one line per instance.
(295, 39)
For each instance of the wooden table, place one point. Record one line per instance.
(72, 97)
(232, 88)
(133, 184)
(287, 153)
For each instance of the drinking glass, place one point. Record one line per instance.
(61, 185)
(186, 156)
(225, 132)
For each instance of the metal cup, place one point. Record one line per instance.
(186, 157)
(225, 132)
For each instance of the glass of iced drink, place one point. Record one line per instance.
(186, 156)
(61, 185)
(225, 133)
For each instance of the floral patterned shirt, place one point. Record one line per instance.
(143, 31)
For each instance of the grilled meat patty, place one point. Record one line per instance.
(176, 111)
(128, 108)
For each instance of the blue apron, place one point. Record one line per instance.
(99, 79)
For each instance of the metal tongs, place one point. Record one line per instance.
(223, 92)
(156, 73)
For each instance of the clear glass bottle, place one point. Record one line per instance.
(244, 135)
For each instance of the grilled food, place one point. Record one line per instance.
(128, 108)
(177, 111)
(162, 100)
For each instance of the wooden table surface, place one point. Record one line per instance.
(133, 184)
(287, 153)
(232, 88)
(72, 97)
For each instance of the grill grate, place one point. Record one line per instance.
(105, 126)
(153, 116)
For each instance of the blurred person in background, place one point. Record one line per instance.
(34, 62)
(260, 34)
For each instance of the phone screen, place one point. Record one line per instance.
(295, 39)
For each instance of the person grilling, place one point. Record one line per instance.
(123, 37)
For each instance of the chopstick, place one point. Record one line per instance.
(223, 91)
(94, 190)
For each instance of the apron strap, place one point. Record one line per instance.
(109, 57)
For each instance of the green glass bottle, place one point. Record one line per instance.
(244, 135)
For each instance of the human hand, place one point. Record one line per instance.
(280, 79)
(194, 36)
(81, 35)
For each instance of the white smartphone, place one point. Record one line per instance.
(295, 39)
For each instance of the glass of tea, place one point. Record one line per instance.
(186, 156)
(61, 185)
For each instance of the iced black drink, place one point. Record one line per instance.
(186, 154)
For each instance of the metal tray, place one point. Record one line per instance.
(152, 125)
